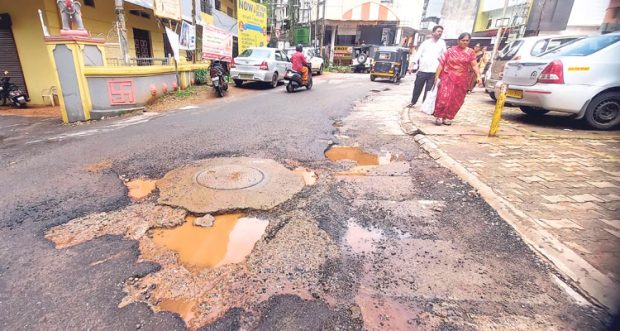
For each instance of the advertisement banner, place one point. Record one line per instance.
(168, 9)
(252, 20)
(187, 39)
(216, 44)
(173, 38)
(489, 16)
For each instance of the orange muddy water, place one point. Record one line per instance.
(336, 153)
(184, 308)
(140, 188)
(229, 240)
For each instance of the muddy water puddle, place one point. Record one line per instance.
(140, 188)
(337, 153)
(229, 240)
(360, 239)
(184, 308)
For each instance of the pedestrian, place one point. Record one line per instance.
(453, 72)
(479, 54)
(427, 57)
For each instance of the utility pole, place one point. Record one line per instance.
(499, 31)
(121, 30)
(322, 30)
(195, 32)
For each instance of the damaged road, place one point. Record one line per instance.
(170, 224)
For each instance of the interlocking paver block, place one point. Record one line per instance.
(615, 233)
(563, 223)
(557, 198)
(603, 184)
(614, 223)
(531, 179)
(586, 198)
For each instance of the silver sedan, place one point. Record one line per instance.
(582, 78)
(260, 64)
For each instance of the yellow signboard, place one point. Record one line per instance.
(168, 9)
(252, 20)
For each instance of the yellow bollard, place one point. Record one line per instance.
(497, 115)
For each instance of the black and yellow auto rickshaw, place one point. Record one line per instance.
(390, 62)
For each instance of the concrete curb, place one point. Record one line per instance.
(588, 280)
(405, 123)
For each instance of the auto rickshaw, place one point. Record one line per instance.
(390, 62)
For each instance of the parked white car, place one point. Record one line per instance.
(316, 61)
(582, 78)
(260, 64)
(523, 49)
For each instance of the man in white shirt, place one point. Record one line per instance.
(428, 58)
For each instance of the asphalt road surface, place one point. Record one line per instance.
(433, 254)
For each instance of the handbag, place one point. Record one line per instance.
(428, 106)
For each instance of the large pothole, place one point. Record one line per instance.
(229, 184)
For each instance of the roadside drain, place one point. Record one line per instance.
(229, 240)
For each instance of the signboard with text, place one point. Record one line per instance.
(217, 44)
(252, 21)
(168, 9)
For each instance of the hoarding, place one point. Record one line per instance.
(252, 22)
(168, 9)
(187, 39)
(491, 16)
(217, 44)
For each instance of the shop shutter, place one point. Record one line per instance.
(9, 60)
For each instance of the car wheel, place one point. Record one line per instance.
(492, 95)
(373, 77)
(274, 80)
(603, 112)
(238, 82)
(533, 111)
(320, 72)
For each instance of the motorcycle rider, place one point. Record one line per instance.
(299, 63)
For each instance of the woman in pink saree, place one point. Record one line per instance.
(454, 70)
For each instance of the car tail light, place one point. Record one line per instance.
(233, 64)
(553, 73)
(263, 66)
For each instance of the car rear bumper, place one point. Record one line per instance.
(555, 97)
(249, 75)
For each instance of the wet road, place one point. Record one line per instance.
(403, 245)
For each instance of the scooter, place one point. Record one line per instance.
(294, 81)
(216, 71)
(11, 92)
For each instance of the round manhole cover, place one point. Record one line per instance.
(229, 177)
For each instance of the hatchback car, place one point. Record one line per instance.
(316, 61)
(582, 79)
(522, 49)
(260, 64)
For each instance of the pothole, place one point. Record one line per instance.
(229, 184)
(337, 153)
(229, 240)
(361, 240)
(140, 188)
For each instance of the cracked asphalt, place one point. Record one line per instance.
(435, 256)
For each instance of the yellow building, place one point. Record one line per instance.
(22, 37)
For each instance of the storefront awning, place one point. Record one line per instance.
(370, 11)
(142, 3)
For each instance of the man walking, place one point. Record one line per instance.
(427, 57)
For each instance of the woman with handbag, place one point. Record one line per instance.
(454, 72)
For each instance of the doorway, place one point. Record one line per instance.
(9, 60)
(144, 54)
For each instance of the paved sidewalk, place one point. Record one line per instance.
(553, 179)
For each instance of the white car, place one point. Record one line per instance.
(316, 61)
(260, 64)
(523, 49)
(582, 78)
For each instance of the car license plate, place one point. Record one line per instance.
(246, 76)
(517, 94)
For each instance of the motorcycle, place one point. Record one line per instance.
(294, 81)
(11, 92)
(216, 72)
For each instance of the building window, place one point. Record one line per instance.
(218, 4)
(206, 6)
(229, 12)
(89, 3)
